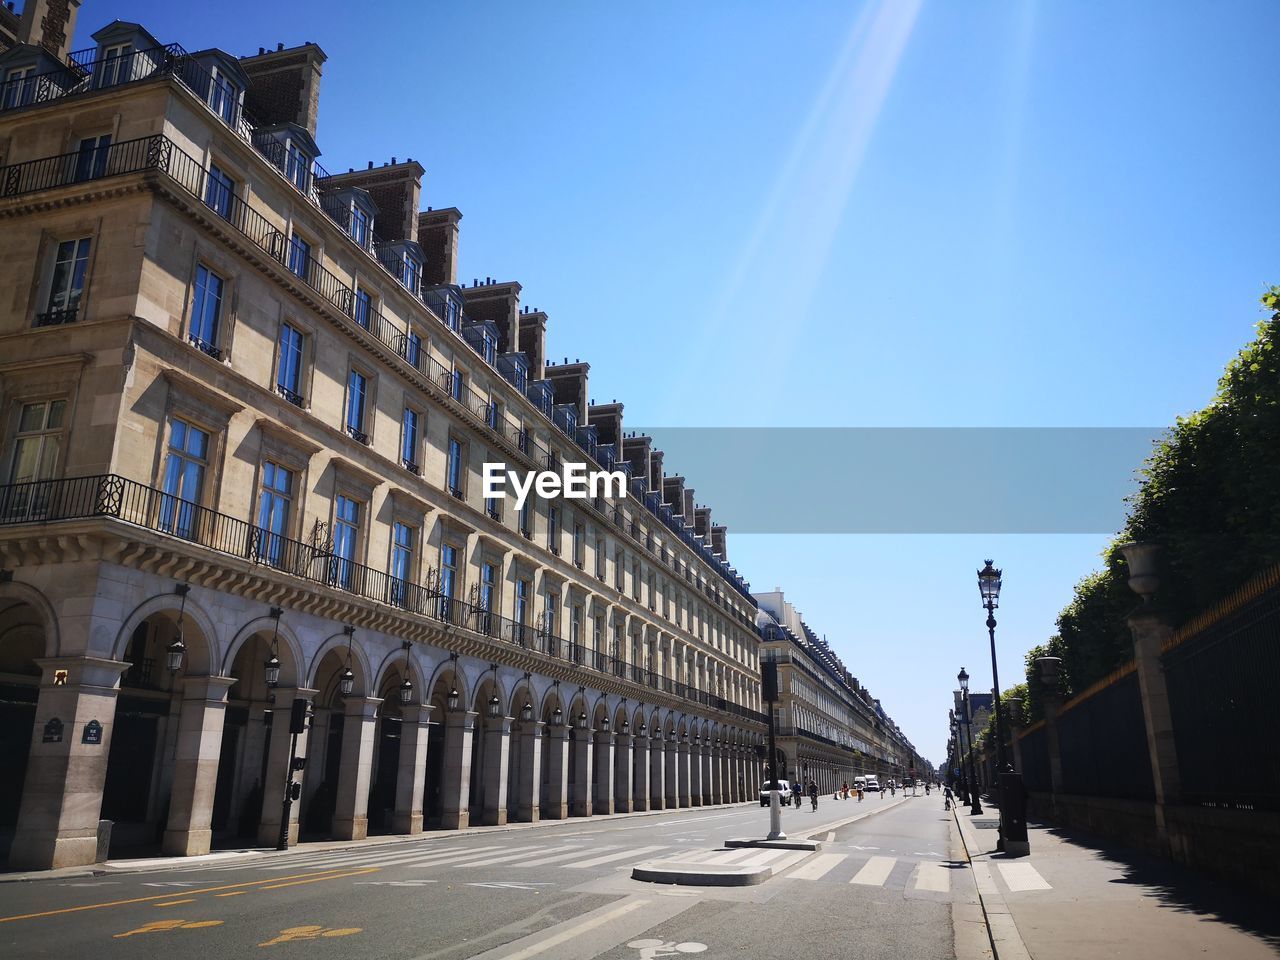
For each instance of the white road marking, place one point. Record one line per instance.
(794, 856)
(539, 861)
(577, 929)
(393, 883)
(354, 859)
(934, 877)
(731, 856)
(609, 858)
(831, 836)
(982, 877)
(875, 871)
(502, 858)
(1022, 876)
(818, 867)
(499, 885)
(762, 857)
(856, 847)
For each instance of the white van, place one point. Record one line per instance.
(860, 783)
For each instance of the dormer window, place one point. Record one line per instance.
(411, 272)
(490, 348)
(453, 316)
(359, 225)
(298, 167)
(19, 85)
(117, 64)
(224, 97)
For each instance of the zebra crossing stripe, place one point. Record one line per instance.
(731, 857)
(539, 861)
(875, 871)
(1022, 876)
(792, 857)
(763, 857)
(381, 855)
(933, 877)
(502, 858)
(818, 867)
(609, 858)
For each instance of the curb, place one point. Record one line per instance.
(996, 917)
(251, 854)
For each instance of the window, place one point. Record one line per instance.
(488, 584)
(413, 348)
(19, 87)
(274, 501)
(218, 191)
(521, 609)
(67, 286)
(184, 470)
(364, 309)
(117, 66)
(401, 562)
(553, 530)
(452, 315)
(409, 434)
(456, 384)
(359, 225)
(298, 168)
(37, 449)
(579, 545)
(549, 614)
(206, 311)
(289, 367)
(357, 398)
(411, 271)
(224, 96)
(601, 559)
(448, 579)
(299, 257)
(454, 478)
(635, 580)
(526, 518)
(91, 157)
(575, 627)
(346, 540)
(489, 348)
(619, 571)
(493, 414)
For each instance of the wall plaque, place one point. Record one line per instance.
(92, 732)
(53, 731)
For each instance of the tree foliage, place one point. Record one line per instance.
(1209, 495)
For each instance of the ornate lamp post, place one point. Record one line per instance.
(989, 581)
(975, 806)
(177, 650)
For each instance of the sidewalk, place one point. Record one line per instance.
(1077, 898)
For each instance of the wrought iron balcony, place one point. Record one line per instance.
(204, 346)
(53, 318)
(357, 434)
(294, 398)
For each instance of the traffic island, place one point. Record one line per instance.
(700, 874)
(813, 846)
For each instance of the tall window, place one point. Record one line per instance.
(411, 274)
(363, 308)
(456, 383)
(346, 540)
(289, 368)
(601, 558)
(521, 609)
(91, 158)
(274, 502)
(359, 225)
(488, 586)
(37, 451)
(218, 191)
(357, 398)
(401, 562)
(223, 97)
(579, 545)
(67, 287)
(117, 66)
(575, 630)
(184, 471)
(549, 618)
(553, 529)
(298, 168)
(619, 570)
(526, 518)
(19, 86)
(448, 580)
(409, 430)
(454, 478)
(412, 348)
(299, 256)
(206, 311)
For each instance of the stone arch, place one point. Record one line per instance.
(448, 673)
(25, 594)
(291, 659)
(392, 667)
(201, 656)
(339, 643)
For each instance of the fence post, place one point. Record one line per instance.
(1149, 631)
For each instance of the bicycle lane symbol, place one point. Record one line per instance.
(651, 949)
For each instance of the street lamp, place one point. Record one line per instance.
(348, 681)
(975, 807)
(271, 667)
(177, 650)
(989, 581)
(452, 698)
(406, 685)
(494, 705)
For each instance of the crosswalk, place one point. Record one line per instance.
(910, 876)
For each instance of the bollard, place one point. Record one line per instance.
(104, 840)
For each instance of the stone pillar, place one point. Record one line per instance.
(62, 793)
(557, 760)
(455, 792)
(1150, 631)
(672, 775)
(640, 789)
(582, 767)
(496, 760)
(603, 765)
(623, 785)
(682, 774)
(351, 805)
(411, 778)
(278, 775)
(195, 765)
(695, 774)
(657, 771)
(726, 787)
(708, 775)
(530, 771)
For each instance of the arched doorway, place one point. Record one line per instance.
(22, 642)
(337, 747)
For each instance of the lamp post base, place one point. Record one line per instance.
(775, 816)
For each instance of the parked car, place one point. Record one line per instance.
(873, 785)
(784, 792)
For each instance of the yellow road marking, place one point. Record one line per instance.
(233, 893)
(323, 875)
(336, 876)
(174, 903)
(309, 932)
(160, 926)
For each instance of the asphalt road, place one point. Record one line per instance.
(881, 887)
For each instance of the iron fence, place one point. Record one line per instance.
(1102, 742)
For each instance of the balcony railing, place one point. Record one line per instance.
(53, 318)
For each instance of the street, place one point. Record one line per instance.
(880, 886)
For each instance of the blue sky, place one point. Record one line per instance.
(838, 214)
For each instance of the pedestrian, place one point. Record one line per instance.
(844, 789)
(946, 798)
(859, 793)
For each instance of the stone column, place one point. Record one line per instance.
(496, 760)
(672, 775)
(623, 785)
(640, 789)
(278, 775)
(682, 774)
(351, 805)
(195, 765)
(411, 778)
(582, 745)
(459, 728)
(726, 786)
(657, 769)
(695, 774)
(1150, 631)
(603, 761)
(62, 793)
(530, 771)
(557, 760)
(708, 775)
